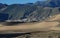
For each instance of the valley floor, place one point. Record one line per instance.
(30, 30)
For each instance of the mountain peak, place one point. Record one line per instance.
(53, 3)
(3, 5)
(40, 3)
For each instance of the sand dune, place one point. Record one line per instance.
(29, 27)
(55, 18)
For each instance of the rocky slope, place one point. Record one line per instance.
(38, 11)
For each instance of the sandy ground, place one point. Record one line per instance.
(29, 27)
(55, 18)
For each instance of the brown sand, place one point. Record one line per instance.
(43, 26)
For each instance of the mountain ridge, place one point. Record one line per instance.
(31, 11)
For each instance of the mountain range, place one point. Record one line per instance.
(38, 11)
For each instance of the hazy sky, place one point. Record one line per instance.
(18, 1)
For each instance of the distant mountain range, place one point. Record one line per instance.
(37, 11)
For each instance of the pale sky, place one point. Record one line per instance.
(18, 1)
